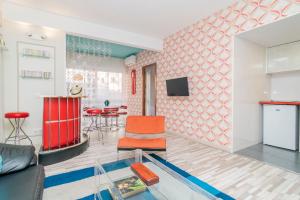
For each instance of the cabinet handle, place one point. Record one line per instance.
(277, 109)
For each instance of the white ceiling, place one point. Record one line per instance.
(156, 18)
(282, 31)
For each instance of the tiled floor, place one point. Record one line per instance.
(236, 175)
(279, 157)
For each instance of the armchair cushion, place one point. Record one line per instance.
(155, 144)
(15, 157)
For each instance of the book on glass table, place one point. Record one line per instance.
(130, 186)
(144, 173)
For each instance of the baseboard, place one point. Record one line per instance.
(227, 149)
(59, 155)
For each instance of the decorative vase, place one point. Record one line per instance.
(106, 103)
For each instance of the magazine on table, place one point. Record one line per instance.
(130, 186)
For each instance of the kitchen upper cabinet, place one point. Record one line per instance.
(285, 57)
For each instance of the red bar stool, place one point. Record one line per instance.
(94, 114)
(86, 117)
(19, 119)
(112, 114)
(123, 107)
(122, 113)
(111, 110)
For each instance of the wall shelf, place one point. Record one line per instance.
(36, 53)
(35, 78)
(36, 56)
(35, 74)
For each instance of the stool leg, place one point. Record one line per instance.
(106, 124)
(124, 120)
(89, 128)
(17, 131)
(100, 124)
(10, 135)
(100, 130)
(111, 120)
(97, 128)
(98, 134)
(115, 123)
(96, 121)
(24, 131)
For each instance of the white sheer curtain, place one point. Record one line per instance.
(101, 80)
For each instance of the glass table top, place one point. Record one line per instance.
(171, 185)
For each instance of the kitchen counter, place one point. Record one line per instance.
(294, 103)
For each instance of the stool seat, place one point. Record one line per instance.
(111, 110)
(16, 115)
(150, 144)
(110, 115)
(122, 113)
(94, 111)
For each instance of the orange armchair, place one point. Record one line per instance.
(149, 125)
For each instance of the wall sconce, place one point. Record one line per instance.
(36, 36)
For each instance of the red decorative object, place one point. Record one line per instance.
(94, 111)
(16, 115)
(145, 174)
(133, 82)
(123, 107)
(61, 122)
(17, 119)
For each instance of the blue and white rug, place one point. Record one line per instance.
(81, 184)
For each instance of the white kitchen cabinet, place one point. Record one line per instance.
(280, 126)
(285, 57)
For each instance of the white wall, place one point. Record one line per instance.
(285, 86)
(1, 80)
(1, 95)
(250, 85)
(76, 26)
(1, 12)
(12, 33)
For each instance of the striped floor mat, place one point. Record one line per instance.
(81, 184)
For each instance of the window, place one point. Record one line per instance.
(98, 86)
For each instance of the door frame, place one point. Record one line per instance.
(144, 86)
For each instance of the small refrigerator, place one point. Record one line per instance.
(281, 126)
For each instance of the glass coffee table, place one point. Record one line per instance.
(172, 183)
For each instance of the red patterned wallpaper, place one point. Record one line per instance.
(203, 52)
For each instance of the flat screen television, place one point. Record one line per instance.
(178, 87)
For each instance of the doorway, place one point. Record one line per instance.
(149, 90)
